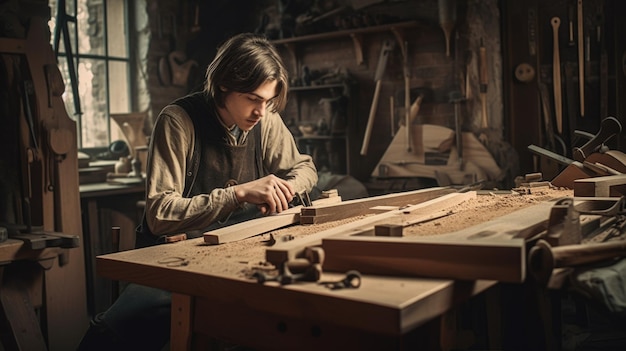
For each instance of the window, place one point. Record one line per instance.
(95, 33)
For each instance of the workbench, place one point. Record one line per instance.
(214, 296)
(396, 307)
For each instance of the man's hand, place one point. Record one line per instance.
(270, 193)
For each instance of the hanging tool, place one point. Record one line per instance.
(556, 74)
(387, 47)
(61, 28)
(447, 17)
(456, 98)
(570, 12)
(581, 57)
(484, 80)
(407, 94)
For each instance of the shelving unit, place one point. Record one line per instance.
(342, 155)
(329, 146)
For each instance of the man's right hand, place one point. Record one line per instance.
(270, 193)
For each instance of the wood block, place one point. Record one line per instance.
(607, 186)
(388, 230)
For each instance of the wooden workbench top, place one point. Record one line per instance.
(389, 305)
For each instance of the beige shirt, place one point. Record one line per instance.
(172, 143)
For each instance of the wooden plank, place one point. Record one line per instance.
(283, 252)
(261, 225)
(351, 208)
(492, 250)
(613, 185)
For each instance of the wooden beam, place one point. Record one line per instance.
(358, 207)
(286, 251)
(261, 225)
(494, 250)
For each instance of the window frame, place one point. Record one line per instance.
(112, 130)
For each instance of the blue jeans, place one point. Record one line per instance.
(138, 320)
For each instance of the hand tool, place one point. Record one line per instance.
(387, 47)
(609, 128)
(447, 17)
(581, 69)
(304, 199)
(308, 268)
(562, 246)
(456, 98)
(468, 61)
(556, 74)
(543, 258)
(570, 17)
(407, 95)
(484, 80)
(413, 112)
(352, 280)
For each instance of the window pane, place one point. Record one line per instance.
(90, 19)
(116, 26)
(119, 89)
(93, 96)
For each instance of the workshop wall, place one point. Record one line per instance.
(196, 28)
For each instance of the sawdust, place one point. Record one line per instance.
(485, 207)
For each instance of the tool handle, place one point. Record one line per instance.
(543, 258)
(609, 127)
(581, 54)
(556, 74)
(370, 119)
(484, 77)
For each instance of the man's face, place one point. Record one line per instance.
(246, 109)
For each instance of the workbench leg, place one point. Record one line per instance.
(182, 322)
(20, 326)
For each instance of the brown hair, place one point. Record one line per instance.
(242, 64)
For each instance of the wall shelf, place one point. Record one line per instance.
(356, 34)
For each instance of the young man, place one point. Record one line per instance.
(216, 157)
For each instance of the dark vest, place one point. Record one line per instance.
(214, 164)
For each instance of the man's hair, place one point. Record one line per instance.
(242, 64)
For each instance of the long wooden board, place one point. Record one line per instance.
(261, 225)
(494, 250)
(283, 252)
(351, 208)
